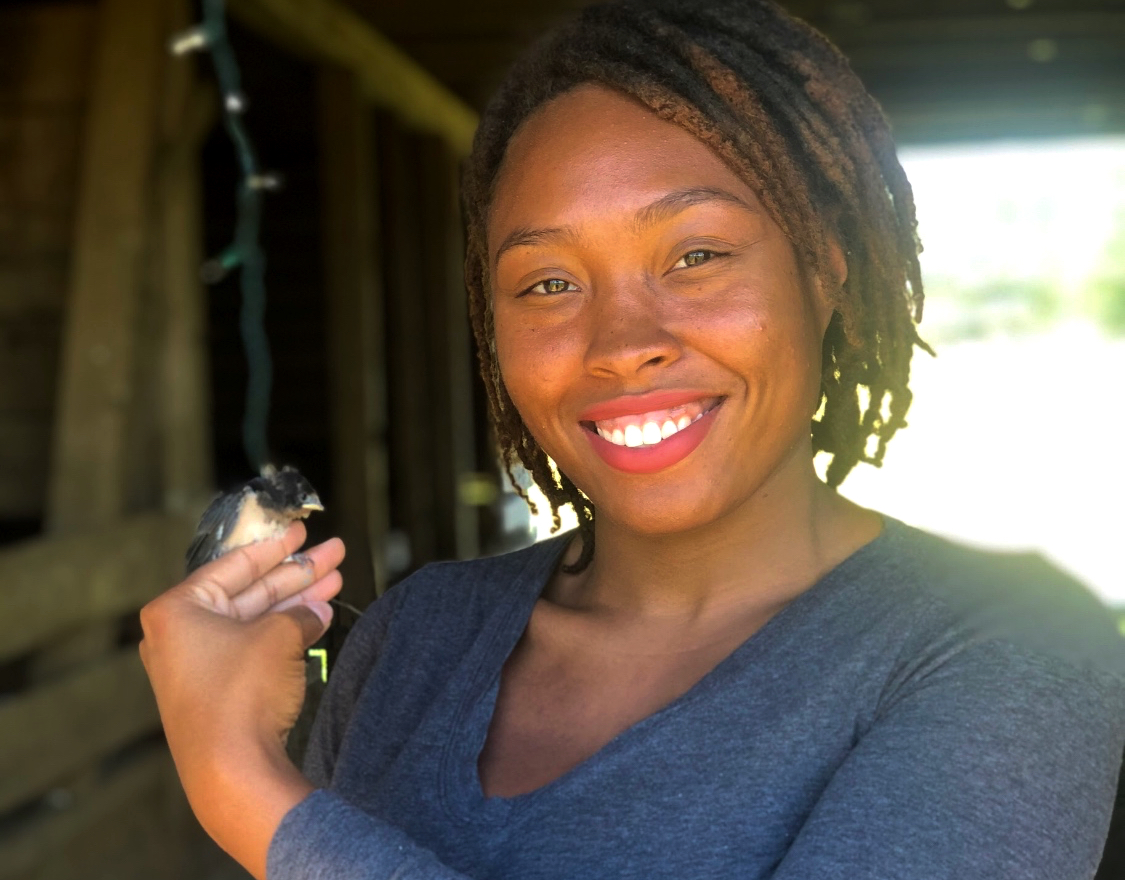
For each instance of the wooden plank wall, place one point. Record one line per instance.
(448, 349)
(354, 298)
(45, 55)
(97, 383)
(429, 359)
(99, 135)
(105, 440)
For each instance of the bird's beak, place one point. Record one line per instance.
(312, 503)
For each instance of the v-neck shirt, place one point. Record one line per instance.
(887, 722)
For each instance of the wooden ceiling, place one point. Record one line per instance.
(943, 69)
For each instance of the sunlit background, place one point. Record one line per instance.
(1015, 434)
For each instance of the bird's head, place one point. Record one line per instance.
(287, 492)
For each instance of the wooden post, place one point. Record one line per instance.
(450, 354)
(410, 433)
(189, 111)
(88, 474)
(89, 478)
(355, 332)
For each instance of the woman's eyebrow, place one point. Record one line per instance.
(671, 204)
(663, 208)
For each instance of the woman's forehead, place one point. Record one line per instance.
(594, 145)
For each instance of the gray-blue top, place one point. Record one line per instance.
(924, 711)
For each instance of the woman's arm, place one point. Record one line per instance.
(224, 651)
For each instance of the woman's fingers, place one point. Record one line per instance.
(233, 572)
(289, 580)
(320, 592)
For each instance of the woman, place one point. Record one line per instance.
(689, 241)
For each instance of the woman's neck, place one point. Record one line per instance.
(762, 554)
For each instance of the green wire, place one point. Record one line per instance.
(245, 251)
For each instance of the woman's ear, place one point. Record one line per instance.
(831, 283)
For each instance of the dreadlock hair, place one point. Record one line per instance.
(782, 108)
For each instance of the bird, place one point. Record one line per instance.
(258, 510)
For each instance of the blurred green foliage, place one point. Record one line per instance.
(1106, 296)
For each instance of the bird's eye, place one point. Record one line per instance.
(695, 258)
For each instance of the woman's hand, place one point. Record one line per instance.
(225, 652)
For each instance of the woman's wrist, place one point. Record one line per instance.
(248, 793)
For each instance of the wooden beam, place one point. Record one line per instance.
(329, 31)
(24, 440)
(88, 478)
(58, 729)
(355, 331)
(54, 584)
(56, 844)
(45, 53)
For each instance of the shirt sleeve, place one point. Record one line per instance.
(324, 837)
(995, 762)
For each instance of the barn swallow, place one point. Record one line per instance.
(258, 510)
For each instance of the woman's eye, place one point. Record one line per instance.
(551, 285)
(694, 258)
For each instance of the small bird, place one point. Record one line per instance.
(259, 509)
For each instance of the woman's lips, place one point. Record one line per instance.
(637, 404)
(653, 457)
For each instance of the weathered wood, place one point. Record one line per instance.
(185, 424)
(24, 441)
(29, 348)
(45, 52)
(32, 286)
(431, 18)
(51, 585)
(327, 30)
(355, 339)
(188, 113)
(44, 80)
(61, 728)
(125, 814)
(88, 483)
(450, 355)
(410, 435)
(39, 152)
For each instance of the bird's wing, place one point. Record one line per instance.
(217, 522)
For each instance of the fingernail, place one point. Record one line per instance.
(322, 610)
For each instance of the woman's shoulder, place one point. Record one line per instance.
(464, 595)
(1021, 599)
(486, 580)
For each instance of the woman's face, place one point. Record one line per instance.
(653, 326)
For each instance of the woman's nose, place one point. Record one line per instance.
(628, 332)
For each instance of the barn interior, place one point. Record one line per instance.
(123, 374)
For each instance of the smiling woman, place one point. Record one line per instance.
(628, 333)
(692, 266)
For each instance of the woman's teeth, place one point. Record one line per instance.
(645, 430)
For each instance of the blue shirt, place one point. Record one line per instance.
(923, 711)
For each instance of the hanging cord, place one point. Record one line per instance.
(245, 251)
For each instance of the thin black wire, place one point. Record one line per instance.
(245, 252)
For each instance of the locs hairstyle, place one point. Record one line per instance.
(781, 106)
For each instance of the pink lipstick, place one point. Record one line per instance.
(654, 457)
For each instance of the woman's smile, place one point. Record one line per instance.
(653, 326)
